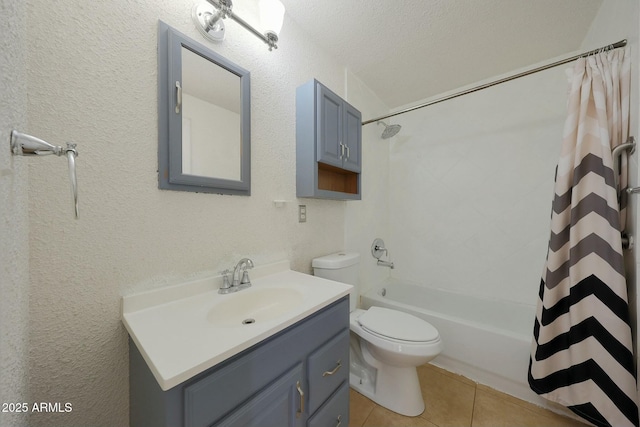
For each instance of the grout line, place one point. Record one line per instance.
(473, 406)
(368, 415)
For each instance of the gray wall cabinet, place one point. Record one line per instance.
(328, 144)
(299, 377)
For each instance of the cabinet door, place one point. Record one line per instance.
(352, 139)
(278, 405)
(330, 126)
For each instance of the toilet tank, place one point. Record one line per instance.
(341, 267)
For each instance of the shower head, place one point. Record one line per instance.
(389, 130)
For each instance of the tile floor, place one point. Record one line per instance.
(455, 401)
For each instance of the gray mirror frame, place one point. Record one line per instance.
(170, 176)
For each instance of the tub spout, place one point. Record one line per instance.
(382, 263)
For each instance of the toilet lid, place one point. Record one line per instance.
(397, 325)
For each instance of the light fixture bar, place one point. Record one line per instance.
(270, 38)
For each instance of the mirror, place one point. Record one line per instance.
(203, 118)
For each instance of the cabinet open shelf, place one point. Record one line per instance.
(331, 178)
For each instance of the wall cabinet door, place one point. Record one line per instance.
(330, 127)
(339, 127)
(352, 139)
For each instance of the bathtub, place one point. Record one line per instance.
(485, 340)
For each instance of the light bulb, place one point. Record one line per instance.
(271, 15)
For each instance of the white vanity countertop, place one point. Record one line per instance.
(183, 330)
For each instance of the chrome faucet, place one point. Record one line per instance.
(241, 267)
(377, 249)
(239, 279)
(382, 263)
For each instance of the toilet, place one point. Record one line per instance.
(386, 345)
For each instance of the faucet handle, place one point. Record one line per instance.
(225, 279)
(245, 278)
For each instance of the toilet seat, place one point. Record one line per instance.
(407, 348)
(397, 325)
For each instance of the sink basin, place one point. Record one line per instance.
(252, 306)
(184, 329)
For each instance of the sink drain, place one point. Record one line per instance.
(248, 321)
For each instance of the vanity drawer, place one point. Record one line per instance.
(327, 368)
(335, 413)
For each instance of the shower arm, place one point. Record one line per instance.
(27, 145)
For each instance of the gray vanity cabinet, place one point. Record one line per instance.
(328, 144)
(299, 377)
(274, 406)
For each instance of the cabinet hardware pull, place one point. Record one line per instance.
(342, 146)
(348, 151)
(178, 97)
(301, 393)
(339, 421)
(328, 373)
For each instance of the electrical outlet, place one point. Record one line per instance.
(302, 213)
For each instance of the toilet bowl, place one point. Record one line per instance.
(384, 357)
(386, 345)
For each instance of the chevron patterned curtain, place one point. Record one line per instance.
(581, 354)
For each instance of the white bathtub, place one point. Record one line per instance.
(486, 340)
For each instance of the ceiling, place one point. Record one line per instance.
(409, 50)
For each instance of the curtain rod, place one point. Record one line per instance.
(621, 43)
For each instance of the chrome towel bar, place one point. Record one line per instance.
(27, 145)
(630, 147)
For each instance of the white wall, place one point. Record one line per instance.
(14, 225)
(213, 135)
(473, 181)
(368, 218)
(92, 80)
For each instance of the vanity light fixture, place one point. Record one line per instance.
(208, 17)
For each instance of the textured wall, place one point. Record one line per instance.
(92, 80)
(14, 226)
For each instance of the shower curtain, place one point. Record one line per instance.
(581, 354)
